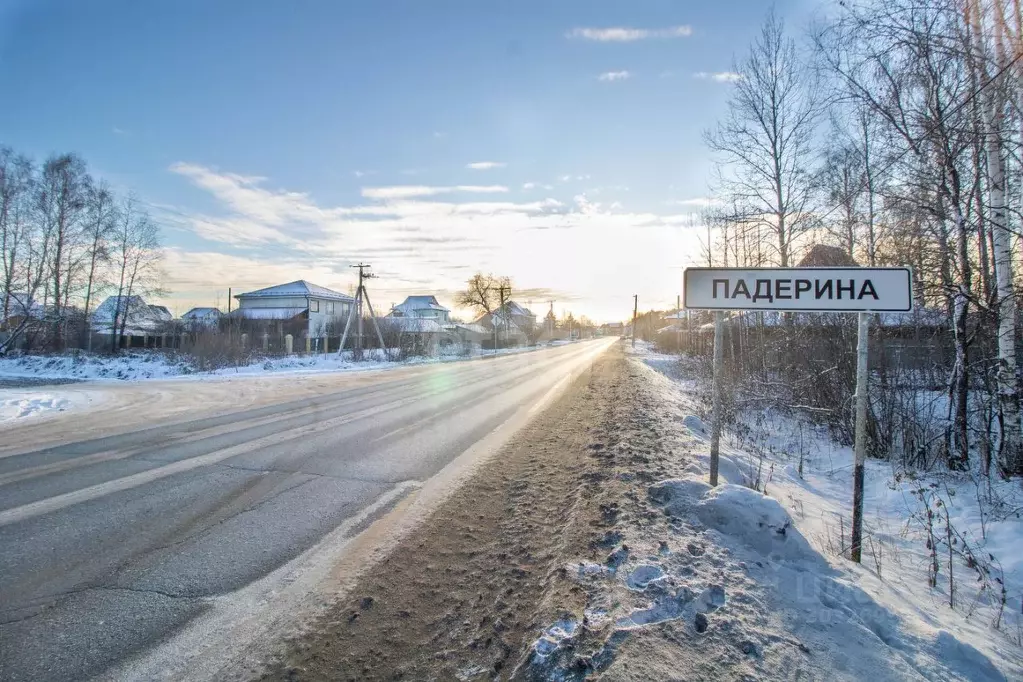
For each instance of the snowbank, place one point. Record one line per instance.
(139, 366)
(19, 405)
(800, 532)
(733, 583)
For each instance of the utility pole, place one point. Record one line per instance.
(635, 310)
(504, 313)
(358, 317)
(360, 295)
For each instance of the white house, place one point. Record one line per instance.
(201, 318)
(514, 323)
(314, 308)
(139, 318)
(422, 307)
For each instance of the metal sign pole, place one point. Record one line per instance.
(860, 442)
(719, 357)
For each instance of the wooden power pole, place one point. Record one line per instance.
(356, 309)
(635, 310)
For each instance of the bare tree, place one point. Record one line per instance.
(15, 186)
(995, 102)
(100, 224)
(61, 201)
(135, 253)
(765, 139)
(841, 180)
(481, 294)
(904, 61)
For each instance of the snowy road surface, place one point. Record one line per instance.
(121, 524)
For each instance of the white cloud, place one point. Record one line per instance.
(260, 214)
(422, 239)
(438, 134)
(408, 191)
(611, 76)
(719, 77)
(529, 185)
(485, 165)
(624, 34)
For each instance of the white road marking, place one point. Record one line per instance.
(52, 504)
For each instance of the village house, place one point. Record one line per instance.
(422, 307)
(515, 324)
(19, 307)
(426, 317)
(199, 319)
(299, 308)
(138, 317)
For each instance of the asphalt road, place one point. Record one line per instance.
(109, 545)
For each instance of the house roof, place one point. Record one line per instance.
(267, 313)
(20, 303)
(134, 306)
(420, 303)
(824, 256)
(201, 312)
(296, 288)
(514, 309)
(140, 316)
(160, 312)
(679, 315)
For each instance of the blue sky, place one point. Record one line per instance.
(556, 142)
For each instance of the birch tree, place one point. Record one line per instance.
(765, 139)
(902, 61)
(15, 188)
(136, 255)
(61, 201)
(100, 224)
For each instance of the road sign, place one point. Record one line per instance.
(799, 289)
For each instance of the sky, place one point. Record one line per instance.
(557, 143)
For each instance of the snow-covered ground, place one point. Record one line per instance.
(15, 404)
(24, 391)
(139, 366)
(784, 552)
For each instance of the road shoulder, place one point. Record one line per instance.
(465, 596)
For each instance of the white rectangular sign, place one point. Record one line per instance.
(799, 289)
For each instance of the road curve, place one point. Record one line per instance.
(112, 543)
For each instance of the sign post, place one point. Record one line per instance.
(719, 366)
(860, 438)
(840, 289)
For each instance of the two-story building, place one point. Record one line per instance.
(422, 307)
(300, 308)
(515, 324)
